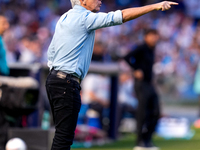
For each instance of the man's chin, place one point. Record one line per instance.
(96, 10)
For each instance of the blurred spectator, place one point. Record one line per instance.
(96, 87)
(141, 60)
(26, 53)
(44, 38)
(4, 25)
(96, 93)
(127, 103)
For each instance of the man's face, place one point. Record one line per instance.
(151, 39)
(4, 25)
(92, 5)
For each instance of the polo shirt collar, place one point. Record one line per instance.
(78, 7)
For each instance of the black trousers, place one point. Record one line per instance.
(148, 111)
(65, 101)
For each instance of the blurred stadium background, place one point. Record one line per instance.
(176, 71)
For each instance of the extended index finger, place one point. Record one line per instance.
(173, 3)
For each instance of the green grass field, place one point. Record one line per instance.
(127, 143)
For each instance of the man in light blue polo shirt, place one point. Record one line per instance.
(69, 57)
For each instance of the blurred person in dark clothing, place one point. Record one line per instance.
(141, 60)
(4, 70)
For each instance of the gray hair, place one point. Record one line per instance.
(75, 2)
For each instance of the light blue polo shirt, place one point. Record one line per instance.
(72, 45)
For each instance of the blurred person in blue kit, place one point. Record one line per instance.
(4, 70)
(69, 57)
(141, 60)
(4, 25)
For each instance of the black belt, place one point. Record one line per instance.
(63, 75)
